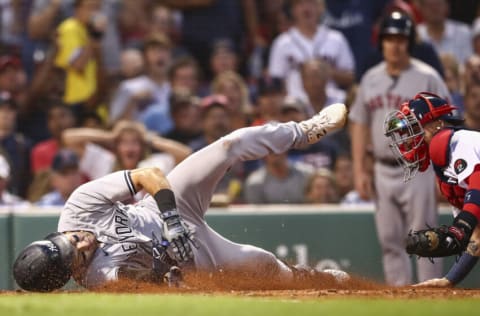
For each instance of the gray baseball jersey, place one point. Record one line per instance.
(380, 93)
(125, 230)
(399, 206)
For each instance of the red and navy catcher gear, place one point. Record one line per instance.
(45, 265)
(405, 128)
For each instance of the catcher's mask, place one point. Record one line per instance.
(405, 128)
(45, 265)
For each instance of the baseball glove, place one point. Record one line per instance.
(442, 241)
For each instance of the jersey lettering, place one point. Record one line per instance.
(391, 101)
(127, 247)
(124, 231)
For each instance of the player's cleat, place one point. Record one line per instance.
(304, 273)
(327, 120)
(339, 275)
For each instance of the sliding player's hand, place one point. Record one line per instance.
(179, 235)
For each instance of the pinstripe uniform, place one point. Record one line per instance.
(124, 230)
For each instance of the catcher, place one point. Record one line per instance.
(102, 238)
(427, 130)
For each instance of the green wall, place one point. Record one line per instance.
(5, 251)
(327, 238)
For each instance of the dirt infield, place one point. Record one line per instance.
(235, 285)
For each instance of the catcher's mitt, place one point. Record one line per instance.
(437, 242)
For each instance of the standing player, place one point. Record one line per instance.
(422, 131)
(100, 239)
(399, 207)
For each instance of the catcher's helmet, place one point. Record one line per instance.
(428, 107)
(397, 23)
(405, 128)
(45, 265)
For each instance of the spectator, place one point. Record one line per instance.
(79, 53)
(48, 84)
(447, 36)
(216, 124)
(218, 20)
(307, 40)
(342, 171)
(476, 37)
(232, 86)
(185, 74)
(161, 20)
(453, 80)
(399, 207)
(131, 63)
(223, 58)
(472, 70)
(11, 25)
(127, 146)
(215, 120)
(92, 120)
(46, 15)
(293, 110)
(269, 21)
(134, 22)
(355, 19)
(185, 115)
(59, 118)
(65, 176)
(278, 181)
(167, 21)
(271, 92)
(321, 187)
(12, 77)
(145, 98)
(7, 198)
(314, 74)
(15, 147)
(472, 107)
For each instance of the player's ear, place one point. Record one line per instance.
(405, 108)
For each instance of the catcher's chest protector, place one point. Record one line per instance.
(439, 150)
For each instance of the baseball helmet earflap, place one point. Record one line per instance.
(45, 265)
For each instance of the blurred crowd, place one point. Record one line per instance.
(88, 87)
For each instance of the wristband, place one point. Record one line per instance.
(461, 268)
(165, 200)
(467, 222)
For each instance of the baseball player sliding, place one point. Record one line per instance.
(423, 131)
(102, 238)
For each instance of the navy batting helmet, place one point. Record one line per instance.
(397, 23)
(45, 265)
